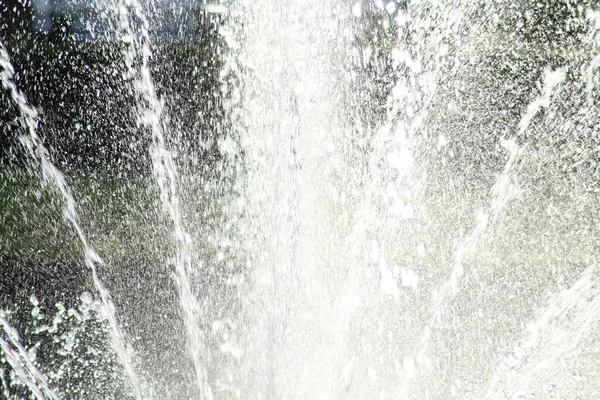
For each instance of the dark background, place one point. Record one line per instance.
(86, 100)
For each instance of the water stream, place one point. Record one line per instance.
(165, 174)
(400, 201)
(52, 176)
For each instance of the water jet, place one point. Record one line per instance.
(259, 199)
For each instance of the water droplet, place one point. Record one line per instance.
(421, 249)
(442, 141)
(391, 7)
(357, 9)
(86, 298)
(372, 373)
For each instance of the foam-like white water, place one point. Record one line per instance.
(326, 311)
(294, 341)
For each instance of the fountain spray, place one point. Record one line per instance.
(165, 173)
(52, 176)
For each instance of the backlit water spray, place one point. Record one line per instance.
(505, 189)
(18, 358)
(52, 176)
(150, 116)
(364, 138)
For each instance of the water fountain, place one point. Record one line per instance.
(368, 199)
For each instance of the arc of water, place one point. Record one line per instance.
(503, 191)
(22, 364)
(15, 362)
(582, 297)
(165, 173)
(51, 175)
(26, 367)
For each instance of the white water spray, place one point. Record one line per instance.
(52, 176)
(165, 172)
(504, 189)
(19, 360)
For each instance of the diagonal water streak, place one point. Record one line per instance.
(22, 365)
(557, 332)
(13, 360)
(503, 191)
(165, 173)
(52, 176)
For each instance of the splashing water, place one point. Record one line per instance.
(550, 340)
(503, 190)
(409, 183)
(165, 173)
(295, 343)
(18, 358)
(52, 176)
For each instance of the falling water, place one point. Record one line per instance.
(550, 340)
(411, 210)
(165, 173)
(19, 360)
(504, 189)
(51, 175)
